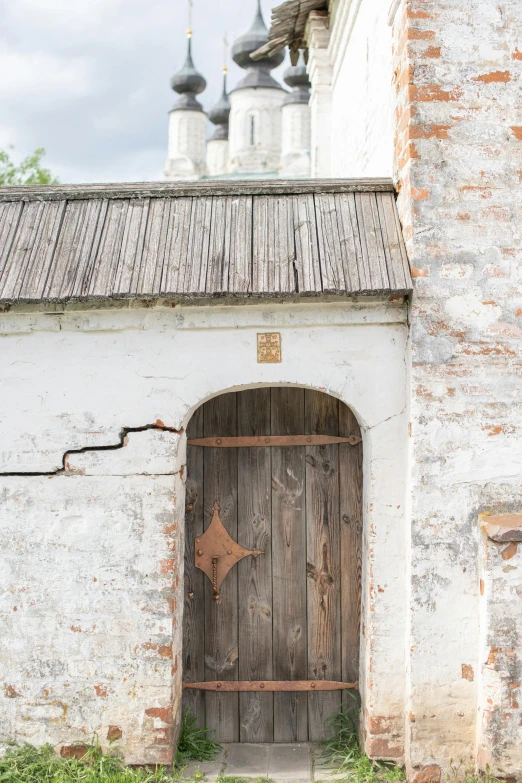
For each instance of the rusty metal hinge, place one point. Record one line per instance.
(273, 440)
(216, 552)
(271, 685)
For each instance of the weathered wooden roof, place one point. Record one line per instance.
(288, 25)
(200, 240)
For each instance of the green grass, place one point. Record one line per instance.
(27, 764)
(194, 743)
(341, 751)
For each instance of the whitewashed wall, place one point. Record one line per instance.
(262, 105)
(91, 566)
(187, 145)
(356, 58)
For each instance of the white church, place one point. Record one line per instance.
(261, 130)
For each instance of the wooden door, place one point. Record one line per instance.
(292, 613)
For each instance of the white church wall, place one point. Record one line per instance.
(296, 140)
(353, 95)
(91, 609)
(217, 157)
(187, 145)
(255, 130)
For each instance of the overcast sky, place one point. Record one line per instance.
(89, 79)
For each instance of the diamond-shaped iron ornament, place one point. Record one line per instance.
(216, 553)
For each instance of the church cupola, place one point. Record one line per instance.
(296, 123)
(188, 82)
(217, 146)
(255, 118)
(257, 71)
(187, 123)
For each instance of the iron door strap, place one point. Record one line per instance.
(270, 685)
(216, 552)
(264, 441)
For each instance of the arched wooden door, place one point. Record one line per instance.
(293, 612)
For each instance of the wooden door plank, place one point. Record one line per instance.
(256, 710)
(289, 566)
(221, 617)
(350, 501)
(323, 559)
(194, 596)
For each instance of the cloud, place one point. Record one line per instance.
(89, 79)
(43, 78)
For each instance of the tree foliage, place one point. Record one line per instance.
(28, 172)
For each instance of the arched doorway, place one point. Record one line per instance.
(291, 613)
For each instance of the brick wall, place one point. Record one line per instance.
(458, 156)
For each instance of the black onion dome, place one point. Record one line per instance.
(220, 113)
(297, 78)
(188, 82)
(258, 71)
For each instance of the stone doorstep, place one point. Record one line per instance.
(280, 762)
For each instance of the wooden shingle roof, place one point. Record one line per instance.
(200, 240)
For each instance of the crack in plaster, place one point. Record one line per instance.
(111, 447)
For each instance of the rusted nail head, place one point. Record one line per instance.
(229, 551)
(218, 440)
(261, 684)
(309, 440)
(191, 595)
(218, 685)
(190, 507)
(200, 552)
(313, 685)
(267, 440)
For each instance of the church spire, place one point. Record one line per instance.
(220, 112)
(258, 71)
(188, 82)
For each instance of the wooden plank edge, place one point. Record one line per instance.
(202, 188)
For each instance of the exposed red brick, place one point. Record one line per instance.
(101, 691)
(380, 725)
(411, 14)
(420, 272)
(429, 774)
(517, 131)
(516, 55)
(419, 35)
(510, 551)
(383, 749)
(420, 194)
(429, 131)
(114, 733)
(467, 672)
(73, 751)
(163, 713)
(519, 311)
(433, 92)
(432, 51)
(10, 692)
(482, 587)
(493, 76)
(168, 565)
